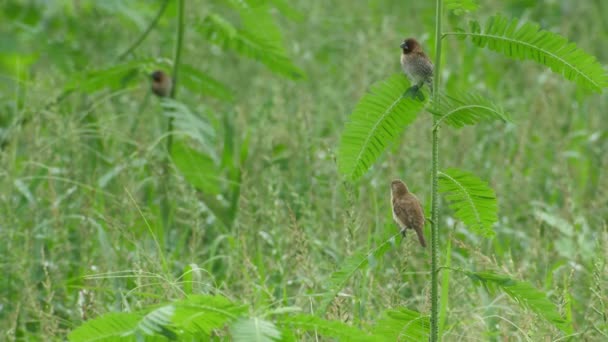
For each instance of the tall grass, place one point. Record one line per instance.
(80, 192)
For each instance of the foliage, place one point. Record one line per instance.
(349, 267)
(110, 327)
(204, 316)
(471, 199)
(467, 109)
(254, 329)
(193, 316)
(459, 6)
(528, 41)
(326, 327)
(265, 239)
(403, 325)
(524, 294)
(377, 120)
(222, 33)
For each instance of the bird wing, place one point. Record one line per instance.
(425, 64)
(413, 212)
(400, 212)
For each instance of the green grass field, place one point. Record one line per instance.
(96, 216)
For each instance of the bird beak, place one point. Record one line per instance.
(403, 46)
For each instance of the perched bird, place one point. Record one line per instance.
(161, 83)
(407, 211)
(415, 63)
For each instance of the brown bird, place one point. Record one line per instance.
(415, 63)
(161, 83)
(407, 211)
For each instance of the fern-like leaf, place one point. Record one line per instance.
(529, 41)
(468, 109)
(254, 330)
(378, 119)
(525, 294)
(202, 314)
(194, 316)
(115, 77)
(349, 267)
(199, 82)
(403, 325)
(222, 33)
(197, 168)
(472, 200)
(119, 326)
(193, 125)
(336, 329)
(157, 322)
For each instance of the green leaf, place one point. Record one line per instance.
(525, 294)
(377, 121)
(403, 325)
(202, 314)
(265, 50)
(459, 6)
(197, 168)
(198, 82)
(258, 21)
(119, 326)
(114, 77)
(287, 11)
(468, 109)
(157, 322)
(349, 267)
(326, 328)
(192, 125)
(254, 330)
(529, 41)
(194, 316)
(471, 199)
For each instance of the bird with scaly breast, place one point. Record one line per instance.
(416, 64)
(407, 211)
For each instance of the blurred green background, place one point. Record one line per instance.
(83, 153)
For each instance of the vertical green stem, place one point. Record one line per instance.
(176, 63)
(434, 190)
(165, 206)
(147, 31)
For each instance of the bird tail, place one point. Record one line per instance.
(420, 237)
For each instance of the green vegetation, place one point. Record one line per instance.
(253, 203)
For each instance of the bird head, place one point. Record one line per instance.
(398, 187)
(410, 45)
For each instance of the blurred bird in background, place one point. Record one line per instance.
(161, 83)
(407, 211)
(415, 63)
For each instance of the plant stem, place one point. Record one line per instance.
(143, 36)
(165, 206)
(434, 174)
(176, 63)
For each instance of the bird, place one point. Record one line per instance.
(416, 64)
(407, 211)
(161, 83)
